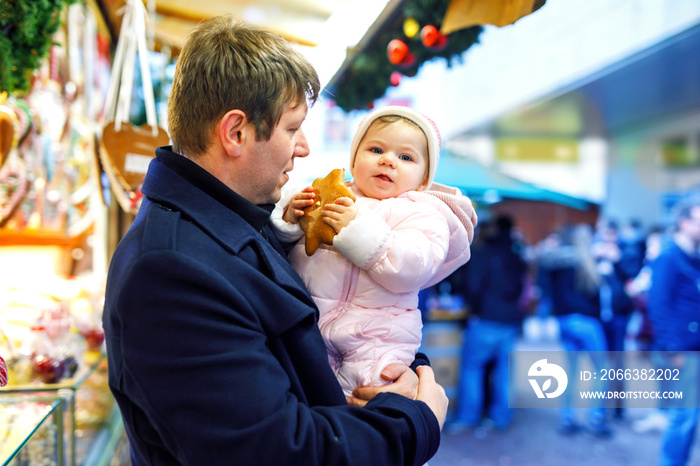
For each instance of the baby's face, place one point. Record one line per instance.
(391, 159)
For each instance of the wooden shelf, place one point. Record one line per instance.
(38, 238)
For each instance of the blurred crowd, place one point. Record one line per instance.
(610, 287)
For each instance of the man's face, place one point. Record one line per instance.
(272, 159)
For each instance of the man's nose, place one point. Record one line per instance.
(301, 149)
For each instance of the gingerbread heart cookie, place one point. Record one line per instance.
(125, 155)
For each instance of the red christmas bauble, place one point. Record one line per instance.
(397, 51)
(408, 61)
(429, 35)
(441, 43)
(395, 78)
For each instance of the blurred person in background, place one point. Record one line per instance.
(569, 279)
(618, 260)
(638, 289)
(494, 282)
(674, 310)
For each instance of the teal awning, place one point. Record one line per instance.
(480, 182)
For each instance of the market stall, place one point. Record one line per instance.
(53, 232)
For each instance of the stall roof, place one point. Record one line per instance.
(297, 20)
(323, 30)
(481, 182)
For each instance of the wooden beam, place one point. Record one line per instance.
(294, 20)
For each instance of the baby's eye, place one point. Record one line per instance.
(376, 150)
(405, 157)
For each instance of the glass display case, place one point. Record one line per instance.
(86, 401)
(30, 429)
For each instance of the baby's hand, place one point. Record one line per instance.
(339, 214)
(303, 198)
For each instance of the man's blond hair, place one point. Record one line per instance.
(225, 65)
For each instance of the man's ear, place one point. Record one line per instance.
(232, 132)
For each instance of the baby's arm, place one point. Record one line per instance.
(294, 209)
(339, 214)
(286, 231)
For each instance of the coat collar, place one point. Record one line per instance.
(196, 176)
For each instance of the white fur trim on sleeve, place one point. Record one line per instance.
(364, 239)
(286, 232)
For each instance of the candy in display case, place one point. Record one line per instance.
(48, 326)
(29, 432)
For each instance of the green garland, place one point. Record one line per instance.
(26, 31)
(369, 75)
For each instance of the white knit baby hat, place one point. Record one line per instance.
(426, 124)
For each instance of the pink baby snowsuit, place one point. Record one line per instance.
(366, 285)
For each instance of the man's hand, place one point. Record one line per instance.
(339, 214)
(432, 393)
(405, 382)
(426, 390)
(294, 209)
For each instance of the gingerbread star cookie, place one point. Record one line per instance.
(327, 190)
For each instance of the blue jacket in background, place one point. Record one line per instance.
(495, 280)
(557, 279)
(674, 300)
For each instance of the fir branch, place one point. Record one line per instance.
(369, 76)
(27, 29)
